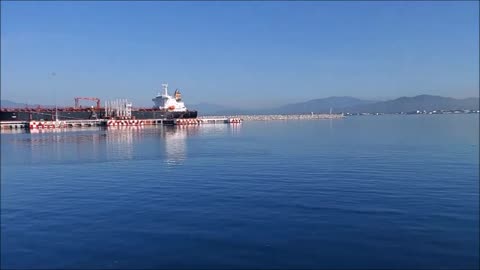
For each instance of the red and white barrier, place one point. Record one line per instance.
(234, 120)
(47, 124)
(192, 121)
(126, 127)
(117, 123)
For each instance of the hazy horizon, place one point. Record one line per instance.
(226, 106)
(238, 54)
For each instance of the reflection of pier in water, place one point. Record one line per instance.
(115, 143)
(120, 141)
(59, 145)
(216, 129)
(175, 144)
(235, 129)
(175, 138)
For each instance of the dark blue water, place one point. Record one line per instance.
(363, 192)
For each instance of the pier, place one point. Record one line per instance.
(13, 125)
(9, 125)
(65, 123)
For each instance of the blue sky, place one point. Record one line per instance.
(247, 54)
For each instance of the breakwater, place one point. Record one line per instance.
(286, 117)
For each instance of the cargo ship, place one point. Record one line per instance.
(165, 107)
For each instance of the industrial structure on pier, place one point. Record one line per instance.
(167, 110)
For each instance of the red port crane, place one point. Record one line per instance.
(77, 99)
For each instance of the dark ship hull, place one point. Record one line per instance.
(48, 115)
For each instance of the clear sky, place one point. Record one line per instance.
(238, 53)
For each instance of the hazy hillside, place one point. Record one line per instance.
(421, 102)
(355, 105)
(208, 108)
(12, 104)
(321, 105)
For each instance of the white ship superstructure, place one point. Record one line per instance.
(166, 102)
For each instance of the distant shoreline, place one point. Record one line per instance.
(273, 117)
(270, 117)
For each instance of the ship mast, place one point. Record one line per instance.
(165, 89)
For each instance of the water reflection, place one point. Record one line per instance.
(52, 139)
(62, 130)
(113, 143)
(235, 128)
(48, 130)
(213, 129)
(13, 131)
(120, 141)
(127, 142)
(175, 143)
(220, 129)
(53, 145)
(176, 137)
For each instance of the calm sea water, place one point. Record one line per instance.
(362, 192)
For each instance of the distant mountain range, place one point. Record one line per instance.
(322, 105)
(208, 108)
(336, 104)
(315, 105)
(355, 105)
(12, 104)
(421, 102)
